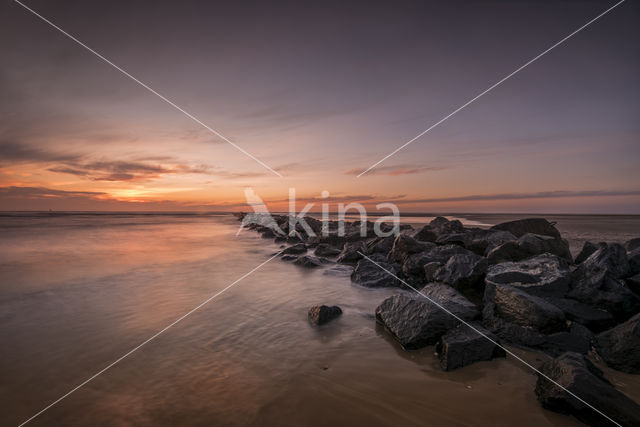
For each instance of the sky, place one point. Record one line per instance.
(320, 91)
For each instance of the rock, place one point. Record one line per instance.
(405, 245)
(289, 258)
(527, 246)
(463, 346)
(542, 275)
(430, 270)
(296, 249)
(633, 283)
(529, 225)
(352, 252)
(485, 241)
(593, 318)
(268, 234)
(323, 249)
(321, 314)
(587, 249)
(462, 270)
(426, 234)
(370, 275)
(634, 261)
(579, 376)
(596, 282)
(521, 308)
(460, 239)
(632, 245)
(441, 225)
(414, 321)
(381, 245)
(577, 339)
(451, 299)
(308, 261)
(620, 346)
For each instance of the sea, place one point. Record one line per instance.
(153, 319)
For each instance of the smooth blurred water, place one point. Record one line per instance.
(79, 291)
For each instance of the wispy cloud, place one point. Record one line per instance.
(522, 196)
(398, 170)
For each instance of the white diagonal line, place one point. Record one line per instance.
(491, 340)
(165, 99)
(499, 82)
(147, 341)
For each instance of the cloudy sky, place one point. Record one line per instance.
(319, 92)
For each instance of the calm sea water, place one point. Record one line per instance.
(79, 291)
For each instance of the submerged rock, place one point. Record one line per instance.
(325, 249)
(463, 346)
(620, 346)
(321, 314)
(542, 275)
(578, 375)
(308, 261)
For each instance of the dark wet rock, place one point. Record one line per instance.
(597, 282)
(577, 339)
(323, 249)
(308, 261)
(593, 318)
(452, 300)
(463, 346)
(413, 321)
(632, 245)
(297, 249)
(521, 227)
(462, 270)
(430, 270)
(405, 245)
(460, 239)
(542, 275)
(289, 258)
(351, 252)
(426, 234)
(380, 245)
(441, 225)
(634, 261)
(267, 234)
(633, 283)
(484, 241)
(578, 375)
(587, 249)
(620, 346)
(321, 314)
(513, 305)
(370, 275)
(527, 246)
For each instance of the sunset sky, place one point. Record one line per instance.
(319, 92)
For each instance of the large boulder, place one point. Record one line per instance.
(451, 299)
(404, 246)
(380, 245)
(597, 282)
(632, 245)
(542, 275)
(309, 261)
(463, 346)
(527, 246)
(352, 252)
(577, 339)
(370, 275)
(484, 241)
(634, 261)
(620, 346)
(321, 314)
(587, 249)
(633, 283)
(595, 319)
(415, 322)
(513, 305)
(521, 227)
(462, 270)
(573, 372)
